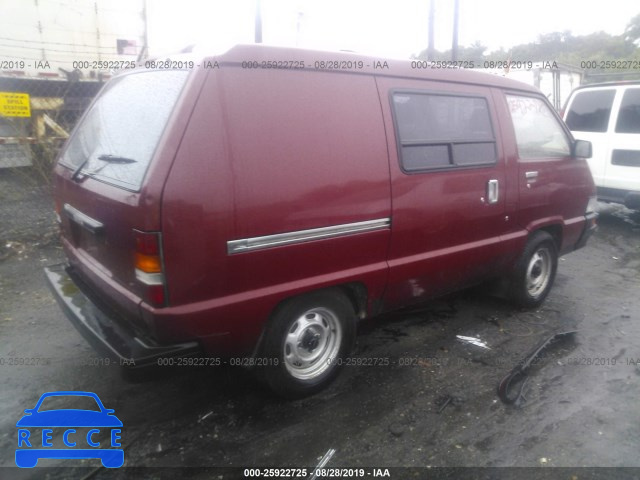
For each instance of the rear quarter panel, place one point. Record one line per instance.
(269, 152)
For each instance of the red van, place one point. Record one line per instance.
(253, 206)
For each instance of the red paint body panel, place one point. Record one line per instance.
(238, 177)
(559, 194)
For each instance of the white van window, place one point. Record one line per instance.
(441, 131)
(629, 116)
(590, 111)
(539, 133)
(119, 134)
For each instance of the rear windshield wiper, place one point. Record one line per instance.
(116, 159)
(105, 158)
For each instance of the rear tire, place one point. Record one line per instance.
(533, 276)
(305, 343)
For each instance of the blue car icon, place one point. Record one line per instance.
(80, 430)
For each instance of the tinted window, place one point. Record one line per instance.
(125, 125)
(590, 111)
(626, 158)
(439, 131)
(629, 116)
(539, 134)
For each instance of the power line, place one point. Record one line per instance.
(45, 44)
(66, 30)
(89, 7)
(56, 62)
(47, 49)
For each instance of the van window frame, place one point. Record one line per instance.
(554, 113)
(450, 144)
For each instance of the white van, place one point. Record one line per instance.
(608, 115)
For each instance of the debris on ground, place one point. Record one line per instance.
(519, 373)
(473, 341)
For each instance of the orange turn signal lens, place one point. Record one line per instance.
(148, 263)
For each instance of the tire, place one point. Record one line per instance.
(534, 273)
(305, 342)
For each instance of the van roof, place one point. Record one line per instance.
(370, 65)
(619, 83)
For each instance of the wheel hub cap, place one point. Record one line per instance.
(538, 272)
(312, 342)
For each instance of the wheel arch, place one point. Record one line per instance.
(355, 292)
(555, 230)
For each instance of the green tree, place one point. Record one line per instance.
(609, 54)
(632, 32)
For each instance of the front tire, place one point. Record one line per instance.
(535, 272)
(305, 342)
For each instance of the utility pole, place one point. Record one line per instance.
(431, 49)
(144, 51)
(258, 38)
(454, 45)
(298, 25)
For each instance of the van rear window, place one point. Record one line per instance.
(590, 111)
(119, 134)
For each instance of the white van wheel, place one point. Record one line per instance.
(534, 274)
(306, 341)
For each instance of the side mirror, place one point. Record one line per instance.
(582, 149)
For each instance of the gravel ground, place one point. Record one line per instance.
(27, 217)
(433, 403)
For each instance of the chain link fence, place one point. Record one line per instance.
(36, 117)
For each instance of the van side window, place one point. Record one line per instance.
(539, 134)
(590, 111)
(629, 116)
(443, 131)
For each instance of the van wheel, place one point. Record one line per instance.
(534, 274)
(305, 342)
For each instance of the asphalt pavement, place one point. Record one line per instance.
(413, 395)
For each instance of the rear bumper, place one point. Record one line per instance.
(590, 228)
(102, 328)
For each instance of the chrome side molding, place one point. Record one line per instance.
(301, 236)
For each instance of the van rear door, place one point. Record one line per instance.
(588, 116)
(109, 178)
(623, 167)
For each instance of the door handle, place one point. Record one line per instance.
(85, 221)
(531, 175)
(493, 191)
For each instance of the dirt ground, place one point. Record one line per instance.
(431, 404)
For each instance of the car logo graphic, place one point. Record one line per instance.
(81, 432)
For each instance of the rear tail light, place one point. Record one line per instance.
(149, 267)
